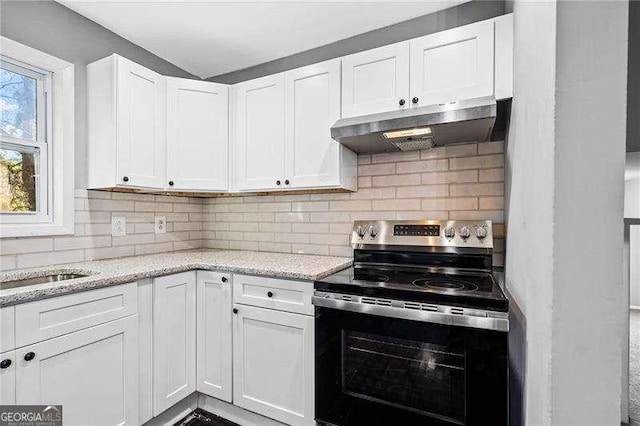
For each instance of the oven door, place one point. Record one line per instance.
(373, 370)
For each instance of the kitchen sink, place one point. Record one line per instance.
(42, 279)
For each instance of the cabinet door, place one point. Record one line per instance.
(92, 373)
(174, 339)
(7, 329)
(376, 80)
(273, 364)
(259, 145)
(141, 125)
(453, 64)
(8, 378)
(312, 106)
(198, 135)
(214, 334)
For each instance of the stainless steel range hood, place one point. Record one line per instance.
(418, 127)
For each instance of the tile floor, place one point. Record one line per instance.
(203, 418)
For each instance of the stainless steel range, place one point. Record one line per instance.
(415, 331)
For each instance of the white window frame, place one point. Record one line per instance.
(55, 140)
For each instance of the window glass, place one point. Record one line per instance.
(18, 180)
(18, 105)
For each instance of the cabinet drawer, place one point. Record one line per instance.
(7, 329)
(273, 293)
(44, 319)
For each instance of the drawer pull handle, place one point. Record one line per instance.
(224, 279)
(270, 294)
(235, 310)
(29, 356)
(5, 363)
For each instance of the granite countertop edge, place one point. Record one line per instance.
(106, 278)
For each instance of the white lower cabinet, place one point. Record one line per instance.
(214, 335)
(174, 339)
(273, 364)
(252, 345)
(8, 378)
(92, 373)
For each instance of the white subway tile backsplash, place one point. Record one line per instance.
(92, 238)
(454, 182)
(401, 185)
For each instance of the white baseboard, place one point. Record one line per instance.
(233, 413)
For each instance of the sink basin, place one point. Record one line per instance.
(41, 279)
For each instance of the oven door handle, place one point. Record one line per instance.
(497, 321)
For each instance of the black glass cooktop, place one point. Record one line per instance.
(453, 287)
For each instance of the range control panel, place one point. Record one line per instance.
(417, 230)
(425, 233)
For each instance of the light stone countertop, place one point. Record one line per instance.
(127, 269)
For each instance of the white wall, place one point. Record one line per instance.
(588, 301)
(565, 206)
(530, 194)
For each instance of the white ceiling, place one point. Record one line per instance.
(208, 38)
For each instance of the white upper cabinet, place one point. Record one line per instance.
(147, 131)
(312, 106)
(466, 62)
(376, 80)
(452, 65)
(141, 113)
(259, 134)
(504, 57)
(126, 124)
(198, 135)
(282, 137)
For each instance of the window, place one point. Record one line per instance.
(24, 151)
(36, 142)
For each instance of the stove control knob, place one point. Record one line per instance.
(465, 232)
(373, 231)
(360, 231)
(481, 232)
(449, 232)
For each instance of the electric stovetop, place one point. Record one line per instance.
(450, 286)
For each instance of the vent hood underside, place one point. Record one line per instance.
(470, 120)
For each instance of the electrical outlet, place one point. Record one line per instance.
(118, 226)
(161, 225)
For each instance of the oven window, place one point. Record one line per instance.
(421, 377)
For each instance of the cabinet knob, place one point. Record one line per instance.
(402, 102)
(224, 279)
(278, 182)
(125, 179)
(29, 356)
(286, 182)
(270, 294)
(170, 183)
(5, 363)
(415, 100)
(235, 310)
